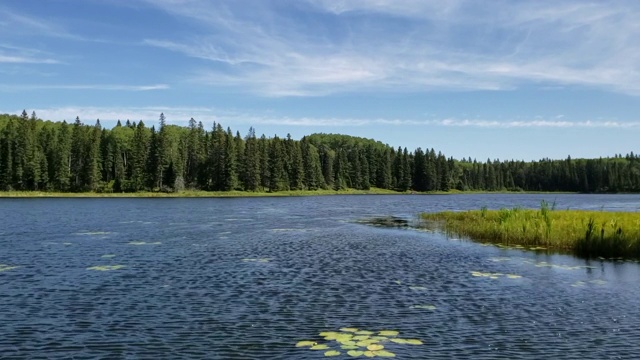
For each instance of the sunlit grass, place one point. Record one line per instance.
(585, 233)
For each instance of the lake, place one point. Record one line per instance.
(248, 278)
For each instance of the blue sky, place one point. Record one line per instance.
(481, 79)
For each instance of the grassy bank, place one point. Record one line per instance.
(192, 194)
(585, 233)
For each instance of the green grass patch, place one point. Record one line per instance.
(584, 233)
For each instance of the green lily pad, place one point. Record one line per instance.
(144, 243)
(106, 267)
(388, 333)
(414, 342)
(332, 353)
(349, 347)
(346, 342)
(367, 342)
(399, 341)
(320, 347)
(425, 307)
(355, 353)
(4, 267)
(375, 347)
(360, 337)
(305, 343)
(513, 276)
(369, 354)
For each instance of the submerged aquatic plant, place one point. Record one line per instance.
(358, 342)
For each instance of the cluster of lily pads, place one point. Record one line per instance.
(4, 267)
(494, 275)
(358, 342)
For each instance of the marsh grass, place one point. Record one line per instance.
(584, 233)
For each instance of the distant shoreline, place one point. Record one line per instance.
(237, 194)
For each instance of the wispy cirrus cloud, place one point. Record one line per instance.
(410, 45)
(25, 60)
(181, 116)
(99, 87)
(13, 22)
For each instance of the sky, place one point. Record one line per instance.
(500, 79)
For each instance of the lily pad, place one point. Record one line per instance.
(349, 347)
(375, 347)
(355, 353)
(384, 353)
(513, 276)
(425, 307)
(320, 347)
(414, 342)
(332, 353)
(4, 267)
(369, 354)
(144, 243)
(94, 233)
(305, 343)
(388, 333)
(360, 337)
(346, 342)
(106, 267)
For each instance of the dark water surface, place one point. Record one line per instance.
(197, 289)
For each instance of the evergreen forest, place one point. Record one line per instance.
(133, 157)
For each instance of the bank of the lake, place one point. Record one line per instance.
(193, 194)
(218, 194)
(584, 233)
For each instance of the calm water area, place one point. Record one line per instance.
(247, 278)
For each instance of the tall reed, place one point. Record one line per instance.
(585, 233)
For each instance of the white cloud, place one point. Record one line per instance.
(233, 118)
(105, 87)
(25, 60)
(410, 45)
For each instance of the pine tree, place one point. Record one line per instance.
(251, 178)
(139, 156)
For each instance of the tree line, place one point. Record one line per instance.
(131, 157)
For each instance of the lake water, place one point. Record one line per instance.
(243, 278)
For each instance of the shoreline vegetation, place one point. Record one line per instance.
(220, 194)
(131, 157)
(588, 234)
